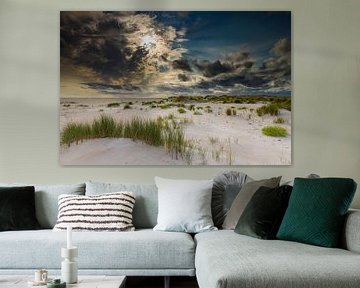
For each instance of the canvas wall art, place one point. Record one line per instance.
(175, 88)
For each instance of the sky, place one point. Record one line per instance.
(114, 54)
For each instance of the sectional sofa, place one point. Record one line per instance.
(219, 259)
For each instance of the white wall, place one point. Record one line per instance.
(326, 90)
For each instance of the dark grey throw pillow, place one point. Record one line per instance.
(17, 209)
(263, 214)
(226, 187)
(243, 198)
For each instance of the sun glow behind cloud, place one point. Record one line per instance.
(148, 41)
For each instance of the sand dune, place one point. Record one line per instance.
(218, 139)
(111, 151)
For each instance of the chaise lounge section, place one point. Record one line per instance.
(225, 259)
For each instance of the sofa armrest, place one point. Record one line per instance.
(351, 234)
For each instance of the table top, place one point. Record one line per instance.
(84, 281)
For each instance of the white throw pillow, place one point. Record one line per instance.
(184, 205)
(105, 212)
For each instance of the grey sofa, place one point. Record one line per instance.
(226, 259)
(218, 259)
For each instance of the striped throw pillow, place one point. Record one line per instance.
(105, 212)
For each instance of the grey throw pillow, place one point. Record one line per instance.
(242, 199)
(226, 187)
(184, 205)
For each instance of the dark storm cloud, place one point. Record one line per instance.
(181, 64)
(228, 64)
(248, 64)
(277, 69)
(238, 70)
(177, 90)
(237, 56)
(162, 52)
(230, 81)
(111, 88)
(97, 40)
(183, 77)
(211, 69)
(128, 87)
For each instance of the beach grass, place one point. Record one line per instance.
(272, 109)
(114, 104)
(274, 131)
(159, 132)
(230, 111)
(279, 120)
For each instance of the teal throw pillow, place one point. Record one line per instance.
(316, 211)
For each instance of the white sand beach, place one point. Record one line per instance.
(218, 139)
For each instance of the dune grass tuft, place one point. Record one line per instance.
(272, 109)
(279, 120)
(115, 104)
(230, 111)
(160, 132)
(274, 131)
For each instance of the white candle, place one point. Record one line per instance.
(69, 237)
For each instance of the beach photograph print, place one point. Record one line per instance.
(189, 88)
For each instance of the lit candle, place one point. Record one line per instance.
(69, 239)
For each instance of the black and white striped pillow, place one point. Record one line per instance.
(105, 212)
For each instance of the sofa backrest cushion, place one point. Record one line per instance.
(46, 200)
(146, 204)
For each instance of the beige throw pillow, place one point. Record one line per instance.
(243, 198)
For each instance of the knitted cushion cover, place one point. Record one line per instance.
(316, 211)
(105, 212)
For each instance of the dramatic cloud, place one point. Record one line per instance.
(113, 89)
(117, 47)
(183, 77)
(170, 52)
(238, 56)
(182, 64)
(212, 69)
(282, 48)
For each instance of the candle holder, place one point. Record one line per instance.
(69, 271)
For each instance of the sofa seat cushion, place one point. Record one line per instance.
(226, 259)
(141, 249)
